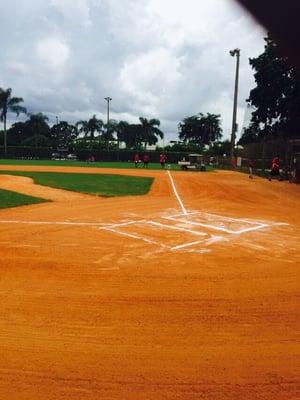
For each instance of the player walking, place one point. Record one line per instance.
(275, 169)
(251, 168)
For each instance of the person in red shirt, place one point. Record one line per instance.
(275, 169)
(146, 160)
(136, 160)
(251, 167)
(162, 160)
(234, 162)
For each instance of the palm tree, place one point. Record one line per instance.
(9, 104)
(37, 127)
(90, 127)
(150, 131)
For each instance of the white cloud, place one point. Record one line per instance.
(78, 10)
(53, 52)
(166, 59)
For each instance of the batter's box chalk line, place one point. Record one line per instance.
(191, 231)
(201, 228)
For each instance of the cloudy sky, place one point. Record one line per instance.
(156, 58)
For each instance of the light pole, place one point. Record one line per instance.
(108, 99)
(56, 120)
(233, 53)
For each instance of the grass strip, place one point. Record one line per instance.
(10, 199)
(96, 184)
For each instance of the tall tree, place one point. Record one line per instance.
(201, 129)
(9, 104)
(90, 127)
(276, 97)
(149, 131)
(63, 134)
(37, 128)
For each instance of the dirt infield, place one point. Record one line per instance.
(190, 292)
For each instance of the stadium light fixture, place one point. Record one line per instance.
(108, 100)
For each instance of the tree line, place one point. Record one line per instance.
(35, 131)
(195, 132)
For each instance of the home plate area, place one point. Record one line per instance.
(193, 231)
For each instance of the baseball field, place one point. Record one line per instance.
(190, 291)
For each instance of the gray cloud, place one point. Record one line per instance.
(165, 60)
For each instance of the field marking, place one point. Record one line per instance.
(176, 194)
(177, 228)
(247, 221)
(52, 223)
(122, 224)
(133, 236)
(183, 246)
(219, 228)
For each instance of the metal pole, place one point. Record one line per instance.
(108, 99)
(235, 52)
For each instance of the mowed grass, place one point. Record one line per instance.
(69, 163)
(96, 184)
(10, 199)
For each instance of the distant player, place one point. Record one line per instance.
(162, 160)
(251, 168)
(136, 160)
(146, 160)
(275, 169)
(234, 162)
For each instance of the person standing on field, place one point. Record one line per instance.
(275, 169)
(146, 160)
(136, 159)
(162, 160)
(251, 168)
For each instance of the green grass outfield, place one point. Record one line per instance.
(69, 163)
(12, 199)
(66, 163)
(96, 184)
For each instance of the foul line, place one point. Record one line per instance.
(177, 195)
(52, 223)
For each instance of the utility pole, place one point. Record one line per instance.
(108, 99)
(233, 53)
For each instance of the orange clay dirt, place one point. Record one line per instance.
(136, 298)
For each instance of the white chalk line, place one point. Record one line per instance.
(219, 228)
(222, 217)
(134, 236)
(177, 228)
(52, 223)
(176, 194)
(183, 246)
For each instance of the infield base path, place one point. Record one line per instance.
(132, 298)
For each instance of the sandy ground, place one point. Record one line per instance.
(128, 298)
